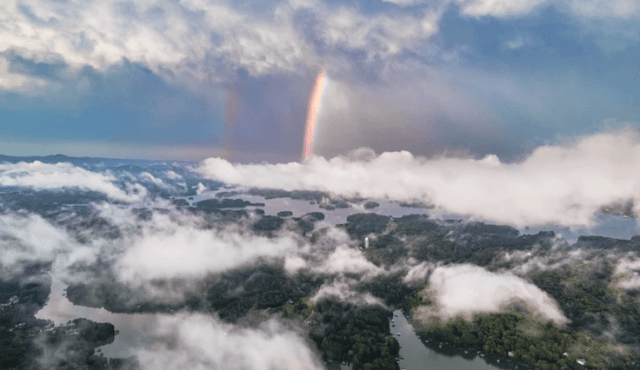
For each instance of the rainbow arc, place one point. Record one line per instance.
(312, 114)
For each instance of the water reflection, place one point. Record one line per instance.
(416, 355)
(608, 225)
(300, 207)
(132, 327)
(611, 226)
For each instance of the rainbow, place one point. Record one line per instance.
(312, 114)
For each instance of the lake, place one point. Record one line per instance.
(416, 355)
(133, 328)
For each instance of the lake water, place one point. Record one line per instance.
(416, 355)
(300, 207)
(604, 225)
(132, 327)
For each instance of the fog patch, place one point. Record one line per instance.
(418, 274)
(197, 341)
(343, 289)
(346, 260)
(43, 176)
(170, 250)
(293, 264)
(627, 273)
(172, 175)
(149, 177)
(566, 184)
(30, 238)
(468, 289)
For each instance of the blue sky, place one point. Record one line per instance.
(155, 78)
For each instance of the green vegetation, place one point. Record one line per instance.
(518, 335)
(588, 297)
(527, 341)
(27, 343)
(358, 335)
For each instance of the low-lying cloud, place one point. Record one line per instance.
(467, 289)
(44, 176)
(204, 342)
(564, 184)
(26, 238)
(187, 251)
(346, 260)
(627, 272)
(343, 289)
(418, 273)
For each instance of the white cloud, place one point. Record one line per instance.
(162, 35)
(627, 273)
(499, 8)
(346, 260)
(168, 249)
(599, 9)
(418, 273)
(200, 41)
(342, 289)
(170, 246)
(404, 2)
(528, 262)
(468, 289)
(584, 9)
(192, 41)
(293, 264)
(201, 188)
(203, 342)
(38, 175)
(516, 43)
(149, 177)
(560, 184)
(30, 238)
(379, 35)
(10, 80)
(173, 176)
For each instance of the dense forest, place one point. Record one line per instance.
(27, 343)
(603, 329)
(358, 335)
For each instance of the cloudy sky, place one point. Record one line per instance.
(190, 79)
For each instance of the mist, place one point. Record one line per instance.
(564, 184)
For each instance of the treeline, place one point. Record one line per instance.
(117, 297)
(584, 294)
(27, 343)
(233, 294)
(544, 346)
(389, 288)
(72, 346)
(448, 241)
(358, 335)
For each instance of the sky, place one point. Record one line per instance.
(192, 79)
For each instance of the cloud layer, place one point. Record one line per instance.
(30, 238)
(195, 41)
(171, 250)
(203, 342)
(192, 41)
(459, 285)
(564, 184)
(44, 176)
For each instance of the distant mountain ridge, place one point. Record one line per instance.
(57, 158)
